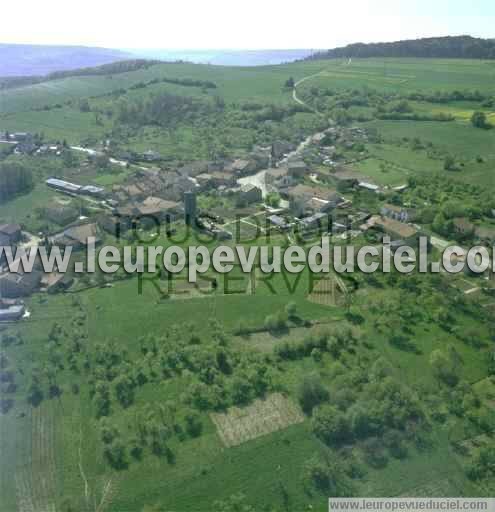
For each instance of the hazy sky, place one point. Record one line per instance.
(238, 24)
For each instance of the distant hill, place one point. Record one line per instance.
(450, 47)
(226, 57)
(34, 60)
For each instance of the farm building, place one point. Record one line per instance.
(369, 186)
(63, 186)
(71, 188)
(92, 190)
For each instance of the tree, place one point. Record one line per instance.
(35, 392)
(272, 199)
(449, 163)
(330, 424)
(311, 393)
(289, 83)
(194, 426)
(115, 454)
(124, 390)
(108, 432)
(15, 179)
(478, 120)
(326, 476)
(101, 399)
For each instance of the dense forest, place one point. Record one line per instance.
(451, 47)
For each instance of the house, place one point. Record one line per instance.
(18, 284)
(54, 282)
(318, 220)
(297, 168)
(317, 205)
(193, 169)
(61, 215)
(76, 236)
(347, 178)
(400, 213)
(241, 167)
(115, 225)
(159, 208)
(249, 193)
(395, 229)
(262, 156)
(314, 197)
(123, 193)
(10, 233)
(281, 148)
(215, 179)
(26, 147)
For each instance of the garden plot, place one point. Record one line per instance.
(36, 481)
(262, 417)
(328, 292)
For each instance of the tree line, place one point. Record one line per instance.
(450, 47)
(14, 179)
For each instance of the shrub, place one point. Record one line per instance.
(330, 425)
(311, 393)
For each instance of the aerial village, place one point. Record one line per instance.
(276, 188)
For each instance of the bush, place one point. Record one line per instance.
(374, 452)
(311, 393)
(330, 425)
(276, 322)
(115, 455)
(194, 427)
(327, 477)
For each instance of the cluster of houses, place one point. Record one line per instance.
(14, 285)
(309, 195)
(25, 143)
